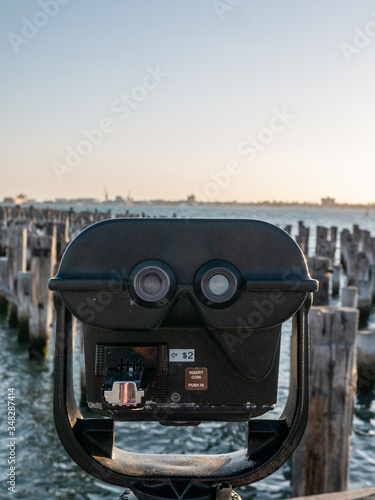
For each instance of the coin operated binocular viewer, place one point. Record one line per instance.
(181, 323)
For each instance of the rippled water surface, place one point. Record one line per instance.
(44, 470)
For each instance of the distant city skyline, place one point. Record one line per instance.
(191, 200)
(247, 102)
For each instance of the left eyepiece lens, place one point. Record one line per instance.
(152, 283)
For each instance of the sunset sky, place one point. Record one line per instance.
(225, 99)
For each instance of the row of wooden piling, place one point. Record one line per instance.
(356, 263)
(342, 357)
(32, 243)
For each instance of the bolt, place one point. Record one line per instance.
(175, 397)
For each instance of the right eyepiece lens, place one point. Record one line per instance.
(218, 285)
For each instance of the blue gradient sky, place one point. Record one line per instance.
(225, 79)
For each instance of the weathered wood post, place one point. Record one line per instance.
(364, 297)
(43, 259)
(345, 239)
(23, 310)
(326, 247)
(3, 242)
(365, 244)
(372, 278)
(3, 285)
(16, 263)
(3, 263)
(351, 261)
(3, 217)
(336, 279)
(356, 233)
(16, 256)
(320, 269)
(362, 279)
(302, 237)
(333, 231)
(62, 238)
(349, 297)
(321, 462)
(366, 360)
(321, 244)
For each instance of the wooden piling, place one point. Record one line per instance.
(357, 257)
(302, 237)
(326, 247)
(345, 239)
(3, 304)
(356, 233)
(336, 279)
(321, 241)
(320, 269)
(3, 241)
(351, 261)
(365, 288)
(333, 231)
(43, 259)
(372, 278)
(23, 310)
(321, 461)
(349, 297)
(16, 257)
(4, 275)
(366, 360)
(365, 245)
(362, 267)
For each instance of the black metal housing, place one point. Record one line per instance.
(234, 349)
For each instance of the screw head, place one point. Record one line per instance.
(175, 397)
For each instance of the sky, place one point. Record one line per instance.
(224, 99)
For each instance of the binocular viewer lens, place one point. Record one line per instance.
(218, 284)
(153, 283)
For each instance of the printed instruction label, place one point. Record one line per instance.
(196, 379)
(182, 355)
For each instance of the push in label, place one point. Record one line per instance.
(196, 379)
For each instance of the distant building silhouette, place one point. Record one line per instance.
(328, 202)
(191, 199)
